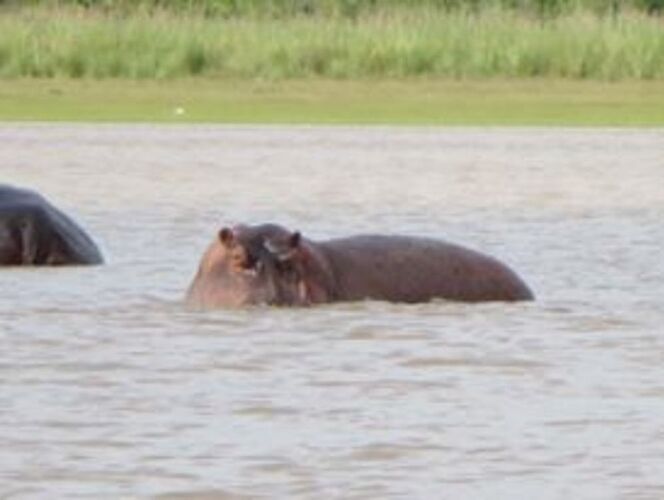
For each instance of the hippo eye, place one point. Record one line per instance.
(245, 262)
(250, 262)
(251, 267)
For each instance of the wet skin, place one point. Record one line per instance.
(33, 233)
(268, 264)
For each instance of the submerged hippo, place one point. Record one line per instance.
(268, 264)
(34, 232)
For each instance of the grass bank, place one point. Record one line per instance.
(395, 42)
(316, 101)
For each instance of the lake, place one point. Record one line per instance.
(111, 388)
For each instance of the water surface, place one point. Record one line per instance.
(111, 388)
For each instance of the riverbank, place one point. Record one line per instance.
(319, 101)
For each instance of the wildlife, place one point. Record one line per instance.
(35, 233)
(272, 265)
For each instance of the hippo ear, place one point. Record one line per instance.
(294, 240)
(226, 236)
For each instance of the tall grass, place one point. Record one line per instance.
(389, 42)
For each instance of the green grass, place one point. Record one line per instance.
(419, 101)
(390, 43)
(397, 61)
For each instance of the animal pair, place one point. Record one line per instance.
(268, 264)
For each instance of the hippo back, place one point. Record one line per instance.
(415, 269)
(47, 235)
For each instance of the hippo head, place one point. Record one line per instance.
(265, 264)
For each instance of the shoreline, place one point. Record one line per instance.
(521, 102)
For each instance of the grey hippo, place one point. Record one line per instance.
(268, 264)
(33, 232)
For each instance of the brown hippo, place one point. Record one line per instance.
(34, 232)
(268, 264)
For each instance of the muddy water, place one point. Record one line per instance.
(110, 388)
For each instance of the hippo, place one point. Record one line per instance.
(269, 264)
(33, 232)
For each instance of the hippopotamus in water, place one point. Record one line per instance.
(268, 264)
(34, 232)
